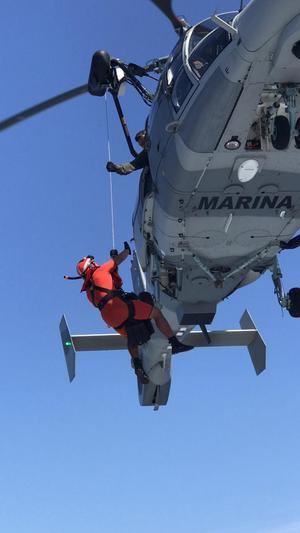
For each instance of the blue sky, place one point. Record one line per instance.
(223, 456)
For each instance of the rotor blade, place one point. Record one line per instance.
(166, 7)
(31, 111)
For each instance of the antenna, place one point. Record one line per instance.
(241, 6)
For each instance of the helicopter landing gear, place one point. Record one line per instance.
(281, 132)
(297, 137)
(276, 117)
(293, 306)
(289, 301)
(278, 287)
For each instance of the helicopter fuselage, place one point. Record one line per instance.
(223, 186)
(220, 192)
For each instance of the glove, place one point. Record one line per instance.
(127, 247)
(110, 166)
(113, 253)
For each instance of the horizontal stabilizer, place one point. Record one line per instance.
(95, 343)
(228, 337)
(247, 336)
(114, 341)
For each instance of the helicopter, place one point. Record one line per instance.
(221, 192)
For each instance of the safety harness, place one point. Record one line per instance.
(110, 294)
(138, 331)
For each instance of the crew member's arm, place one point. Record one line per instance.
(118, 259)
(140, 161)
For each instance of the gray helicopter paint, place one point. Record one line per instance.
(163, 114)
(283, 55)
(270, 189)
(203, 134)
(193, 181)
(190, 168)
(216, 233)
(268, 17)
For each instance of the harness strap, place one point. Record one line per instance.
(130, 317)
(110, 294)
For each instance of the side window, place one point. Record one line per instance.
(173, 70)
(208, 50)
(181, 89)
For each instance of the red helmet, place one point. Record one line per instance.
(83, 265)
(85, 269)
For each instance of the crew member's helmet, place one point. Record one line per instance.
(84, 264)
(141, 137)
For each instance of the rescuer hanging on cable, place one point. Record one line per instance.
(127, 313)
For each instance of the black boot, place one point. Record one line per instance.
(177, 346)
(139, 371)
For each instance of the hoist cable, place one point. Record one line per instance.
(110, 177)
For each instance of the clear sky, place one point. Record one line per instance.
(223, 456)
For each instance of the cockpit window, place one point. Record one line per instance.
(182, 87)
(207, 50)
(207, 26)
(177, 50)
(173, 69)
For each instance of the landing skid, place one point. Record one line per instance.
(156, 395)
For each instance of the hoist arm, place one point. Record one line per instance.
(123, 124)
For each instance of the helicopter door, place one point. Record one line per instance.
(147, 230)
(142, 218)
(142, 230)
(162, 113)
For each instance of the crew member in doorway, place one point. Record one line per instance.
(139, 162)
(128, 314)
